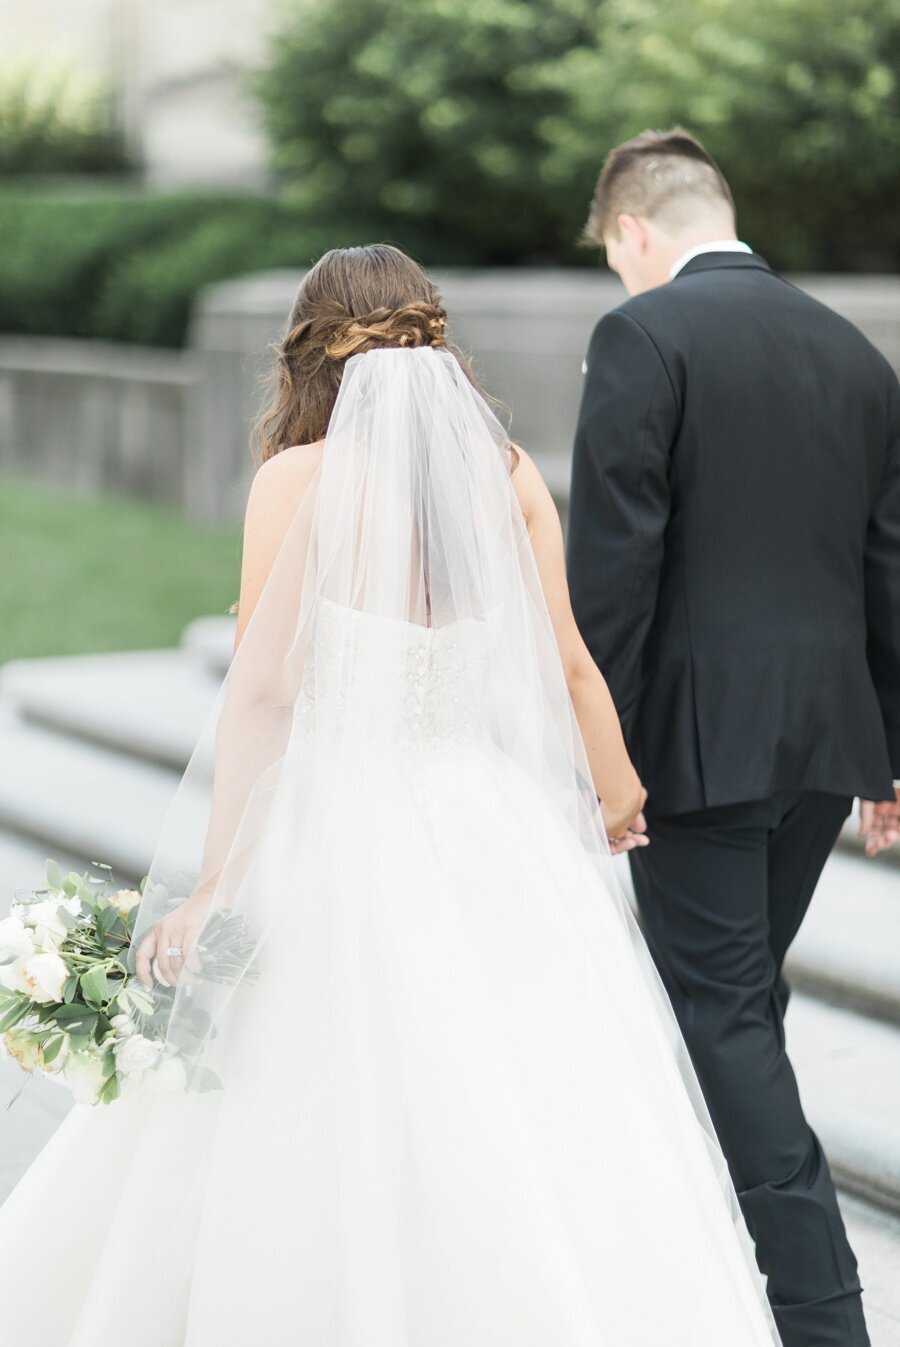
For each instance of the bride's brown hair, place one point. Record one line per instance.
(353, 300)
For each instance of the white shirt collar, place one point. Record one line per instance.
(719, 246)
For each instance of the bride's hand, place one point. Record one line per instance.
(626, 827)
(177, 931)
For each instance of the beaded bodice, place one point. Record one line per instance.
(381, 680)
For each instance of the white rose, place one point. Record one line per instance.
(123, 1025)
(84, 1076)
(49, 928)
(45, 913)
(124, 900)
(16, 940)
(136, 1054)
(43, 977)
(11, 975)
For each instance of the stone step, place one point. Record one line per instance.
(211, 640)
(23, 866)
(81, 799)
(147, 704)
(875, 1236)
(848, 949)
(848, 1067)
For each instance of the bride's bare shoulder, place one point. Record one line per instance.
(296, 464)
(282, 479)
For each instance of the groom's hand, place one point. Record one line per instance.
(879, 823)
(636, 836)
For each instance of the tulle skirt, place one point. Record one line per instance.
(453, 1115)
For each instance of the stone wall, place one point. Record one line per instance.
(96, 417)
(174, 426)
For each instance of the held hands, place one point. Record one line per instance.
(177, 931)
(626, 827)
(879, 823)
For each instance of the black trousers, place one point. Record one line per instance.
(722, 893)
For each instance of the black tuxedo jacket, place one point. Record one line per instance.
(734, 538)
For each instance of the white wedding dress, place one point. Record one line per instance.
(456, 1109)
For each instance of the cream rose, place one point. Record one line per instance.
(124, 900)
(22, 1049)
(43, 977)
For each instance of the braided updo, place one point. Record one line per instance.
(352, 301)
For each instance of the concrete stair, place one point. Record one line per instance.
(91, 751)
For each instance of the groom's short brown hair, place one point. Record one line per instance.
(658, 174)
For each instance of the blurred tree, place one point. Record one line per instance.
(798, 100)
(425, 120)
(475, 129)
(53, 122)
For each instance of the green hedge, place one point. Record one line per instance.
(121, 265)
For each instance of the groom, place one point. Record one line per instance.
(734, 556)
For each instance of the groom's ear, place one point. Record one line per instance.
(633, 231)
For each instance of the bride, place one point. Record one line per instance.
(452, 1107)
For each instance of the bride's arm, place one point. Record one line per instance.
(615, 779)
(256, 698)
(252, 709)
(278, 488)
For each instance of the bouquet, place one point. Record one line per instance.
(71, 1010)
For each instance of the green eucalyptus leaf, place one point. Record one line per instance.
(51, 1048)
(54, 876)
(106, 920)
(82, 1023)
(110, 1090)
(13, 1014)
(63, 1014)
(93, 986)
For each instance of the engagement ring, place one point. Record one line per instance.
(175, 952)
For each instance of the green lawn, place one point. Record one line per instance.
(80, 575)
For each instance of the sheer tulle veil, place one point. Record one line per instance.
(410, 523)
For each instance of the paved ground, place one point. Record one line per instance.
(875, 1236)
